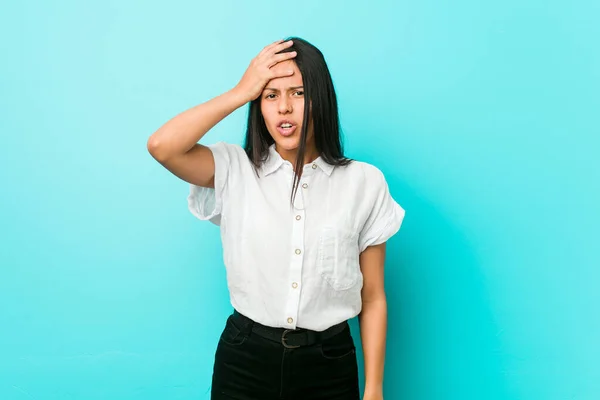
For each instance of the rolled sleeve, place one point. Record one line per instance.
(386, 215)
(207, 203)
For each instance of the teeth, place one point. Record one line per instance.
(286, 125)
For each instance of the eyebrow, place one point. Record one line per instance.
(290, 88)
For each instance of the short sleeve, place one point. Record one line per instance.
(207, 203)
(386, 214)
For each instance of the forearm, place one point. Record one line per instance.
(182, 132)
(373, 331)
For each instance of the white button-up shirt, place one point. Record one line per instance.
(295, 266)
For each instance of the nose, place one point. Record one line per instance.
(285, 105)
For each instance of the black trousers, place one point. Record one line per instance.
(250, 367)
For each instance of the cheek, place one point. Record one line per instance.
(267, 112)
(299, 107)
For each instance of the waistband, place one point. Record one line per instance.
(289, 338)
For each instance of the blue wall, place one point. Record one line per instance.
(481, 115)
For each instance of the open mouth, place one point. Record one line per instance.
(286, 128)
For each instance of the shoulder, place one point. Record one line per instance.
(230, 148)
(230, 153)
(369, 174)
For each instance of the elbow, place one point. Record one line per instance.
(155, 149)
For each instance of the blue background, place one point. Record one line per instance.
(482, 115)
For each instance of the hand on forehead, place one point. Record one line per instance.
(293, 80)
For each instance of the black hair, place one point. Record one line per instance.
(320, 101)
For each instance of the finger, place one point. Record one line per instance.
(275, 48)
(270, 46)
(281, 46)
(281, 71)
(277, 58)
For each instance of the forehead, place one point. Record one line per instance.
(286, 81)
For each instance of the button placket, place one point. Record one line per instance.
(296, 260)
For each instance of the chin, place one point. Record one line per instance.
(287, 146)
(287, 143)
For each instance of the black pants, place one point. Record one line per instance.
(250, 367)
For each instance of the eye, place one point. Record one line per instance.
(299, 92)
(270, 96)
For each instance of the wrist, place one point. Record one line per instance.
(239, 95)
(373, 390)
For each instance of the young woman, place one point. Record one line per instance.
(303, 231)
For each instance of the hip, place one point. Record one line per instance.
(250, 364)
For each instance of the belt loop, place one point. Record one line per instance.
(247, 328)
(311, 337)
(245, 322)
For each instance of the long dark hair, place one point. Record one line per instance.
(318, 91)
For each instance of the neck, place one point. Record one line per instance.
(310, 154)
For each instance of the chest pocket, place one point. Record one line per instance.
(338, 258)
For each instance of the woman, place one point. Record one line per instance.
(303, 231)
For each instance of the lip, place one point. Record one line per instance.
(285, 121)
(286, 131)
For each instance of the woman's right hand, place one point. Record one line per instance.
(260, 71)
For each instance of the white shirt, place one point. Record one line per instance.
(295, 267)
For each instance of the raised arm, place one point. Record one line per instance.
(175, 144)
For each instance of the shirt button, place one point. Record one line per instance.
(294, 285)
(305, 185)
(298, 251)
(298, 217)
(314, 166)
(290, 320)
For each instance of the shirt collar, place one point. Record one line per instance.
(275, 161)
